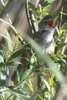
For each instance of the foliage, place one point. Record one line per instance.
(26, 74)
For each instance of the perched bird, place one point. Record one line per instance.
(44, 36)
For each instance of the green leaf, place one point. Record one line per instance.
(45, 3)
(19, 93)
(1, 59)
(63, 13)
(20, 74)
(13, 63)
(32, 6)
(9, 42)
(1, 97)
(30, 86)
(57, 30)
(55, 13)
(64, 26)
(10, 52)
(18, 53)
(51, 81)
(33, 62)
(1, 8)
(1, 56)
(1, 49)
(50, 1)
(46, 83)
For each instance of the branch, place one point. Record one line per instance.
(31, 19)
(14, 30)
(27, 14)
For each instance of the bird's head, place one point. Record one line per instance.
(47, 21)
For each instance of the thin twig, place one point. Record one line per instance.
(60, 19)
(13, 28)
(27, 14)
(3, 4)
(31, 19)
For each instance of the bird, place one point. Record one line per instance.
(44, 36)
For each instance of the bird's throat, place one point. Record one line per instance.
(51, 23)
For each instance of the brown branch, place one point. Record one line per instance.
(60, 17)
(27, 14)
(14, 30)
(31, 18)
